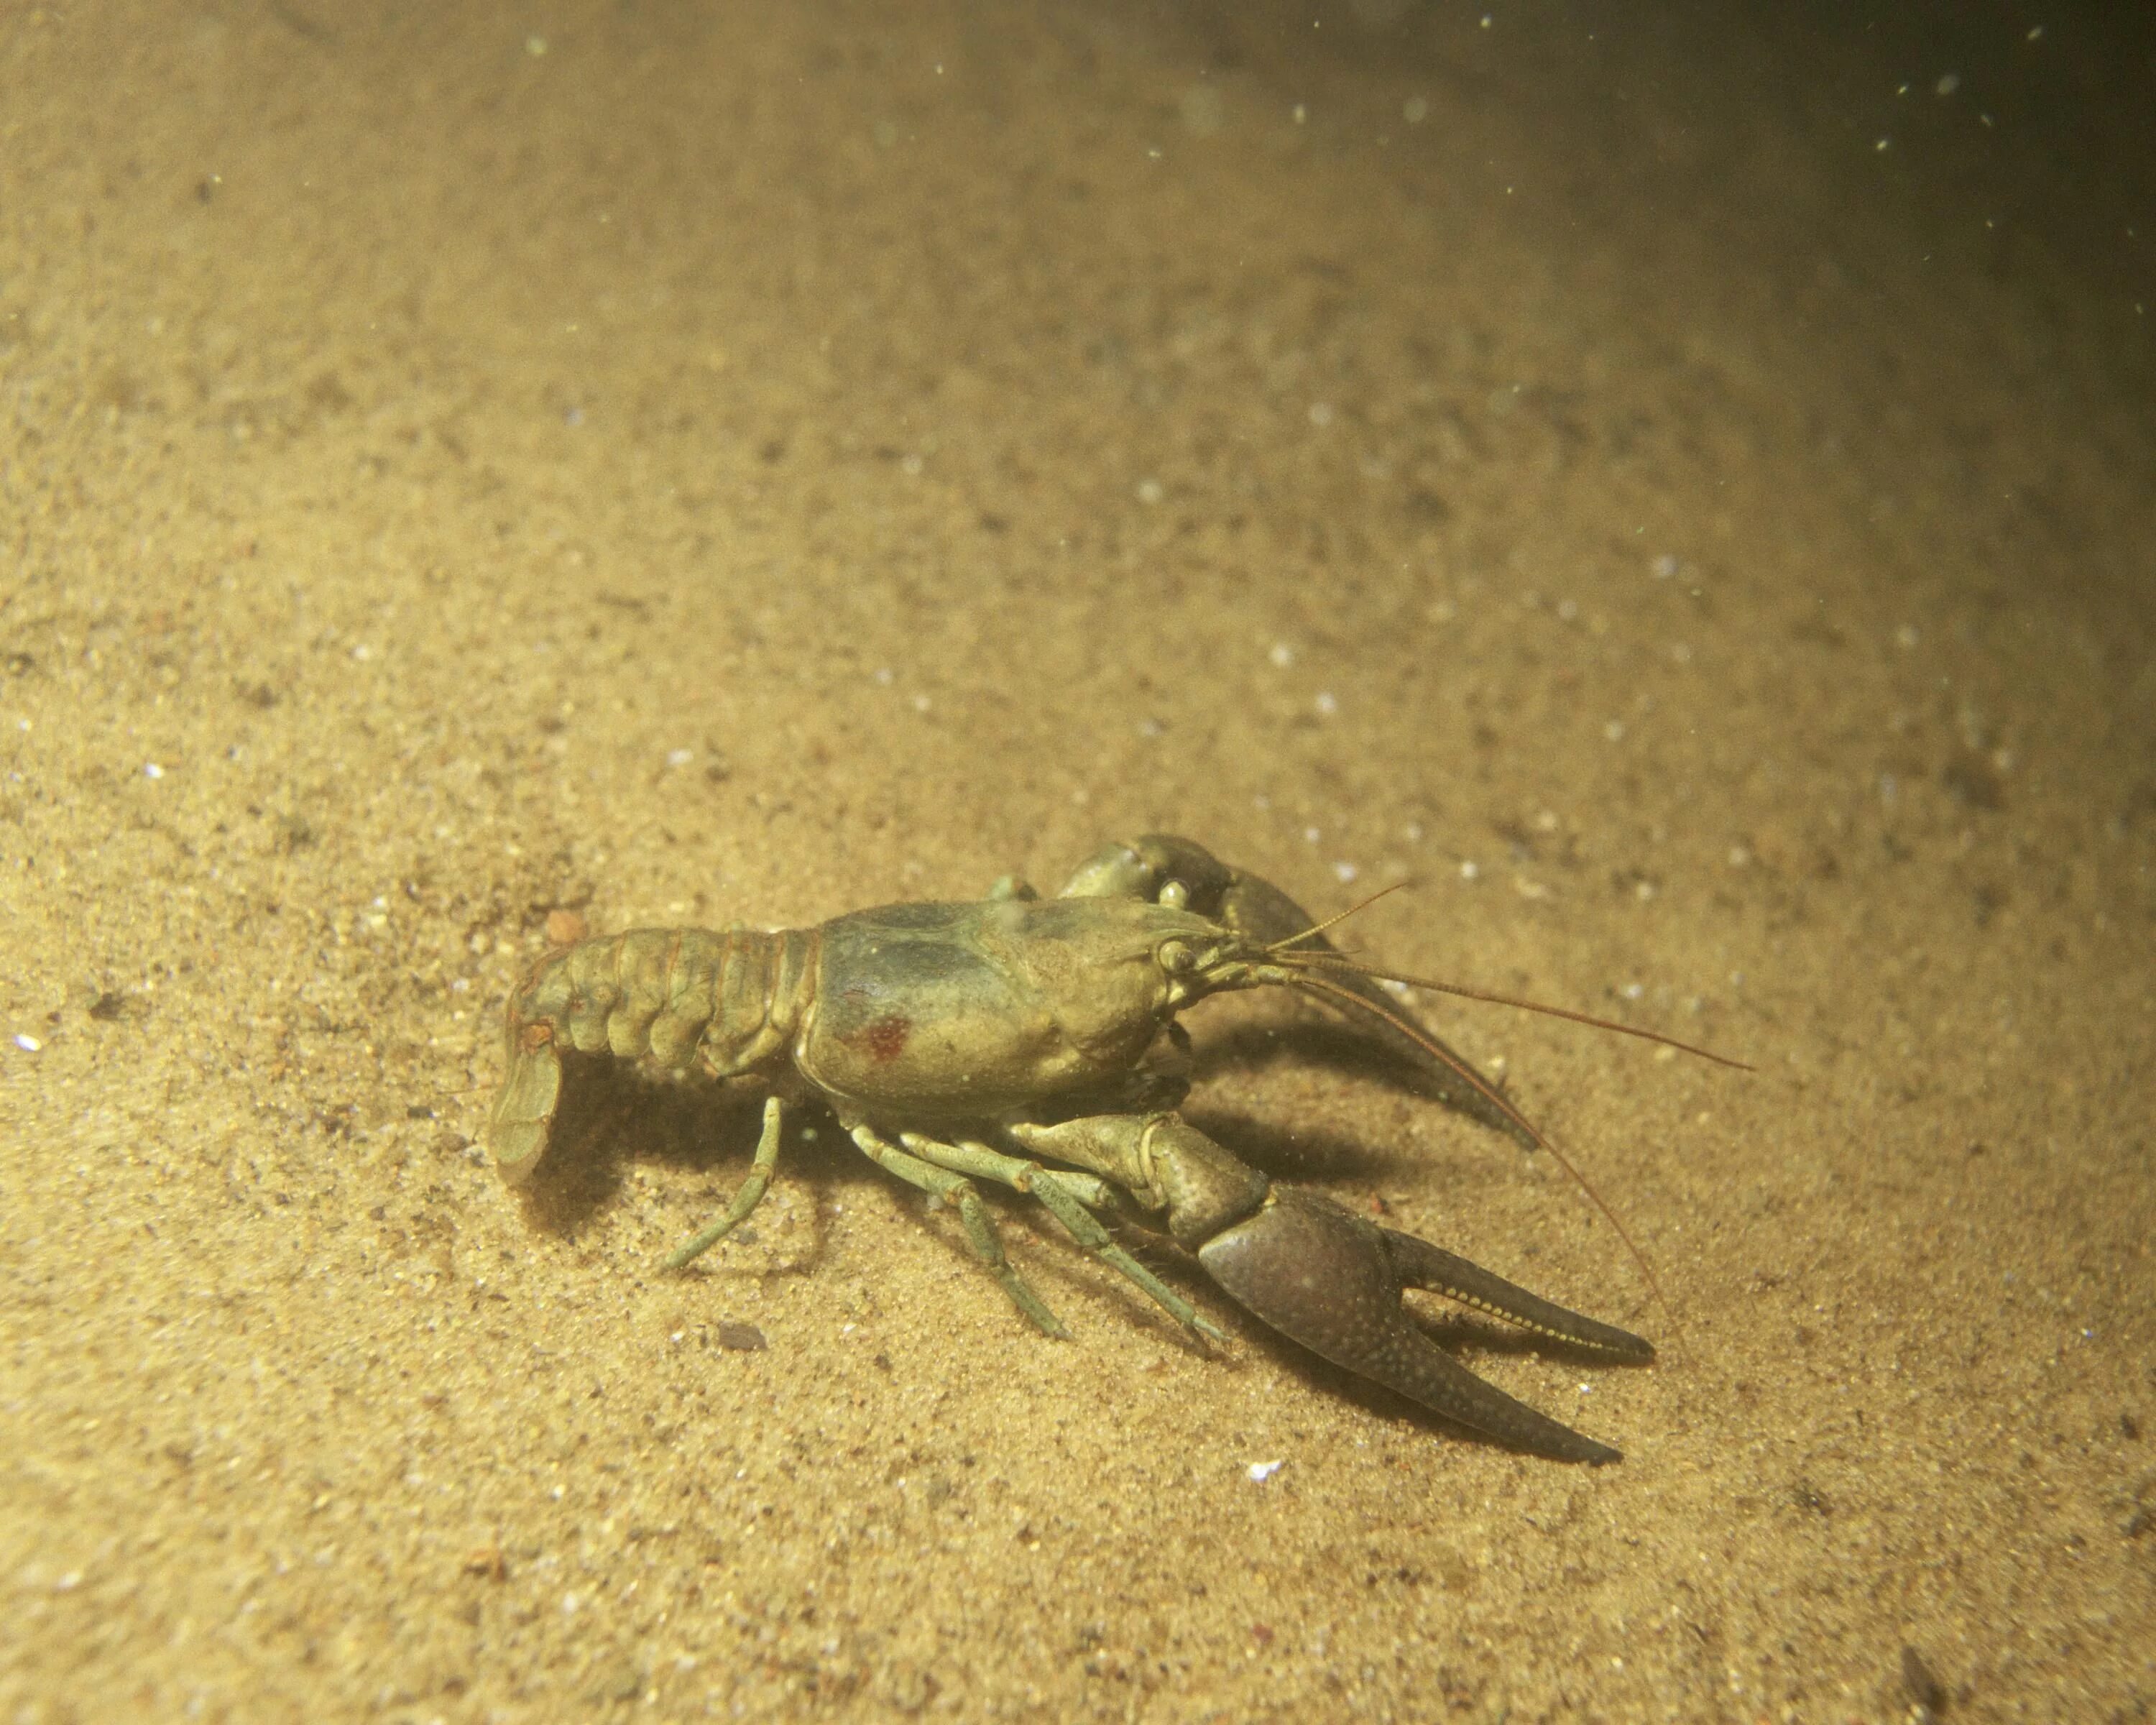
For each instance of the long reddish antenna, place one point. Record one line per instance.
(1341, 961)
(1416, 1033)
(1318, 929)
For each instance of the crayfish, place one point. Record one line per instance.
(1032, 1042)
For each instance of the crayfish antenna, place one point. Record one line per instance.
(1279, 948)
(1305, 961)
(1408, 1028)
(1342, 961)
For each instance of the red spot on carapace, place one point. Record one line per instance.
(886, 1037)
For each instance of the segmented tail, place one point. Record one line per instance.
(728, 1001)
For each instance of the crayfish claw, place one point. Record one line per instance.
(1419, 1264)
(1157, 868)
(1331, 1281)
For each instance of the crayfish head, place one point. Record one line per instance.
(1203, 958)
(1107, 968)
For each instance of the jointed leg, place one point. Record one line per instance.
(980, 1232)
(1056, 1191)
(748, 1198)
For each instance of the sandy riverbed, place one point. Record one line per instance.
(614, 463)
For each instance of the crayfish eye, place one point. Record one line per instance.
(1176, 958)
